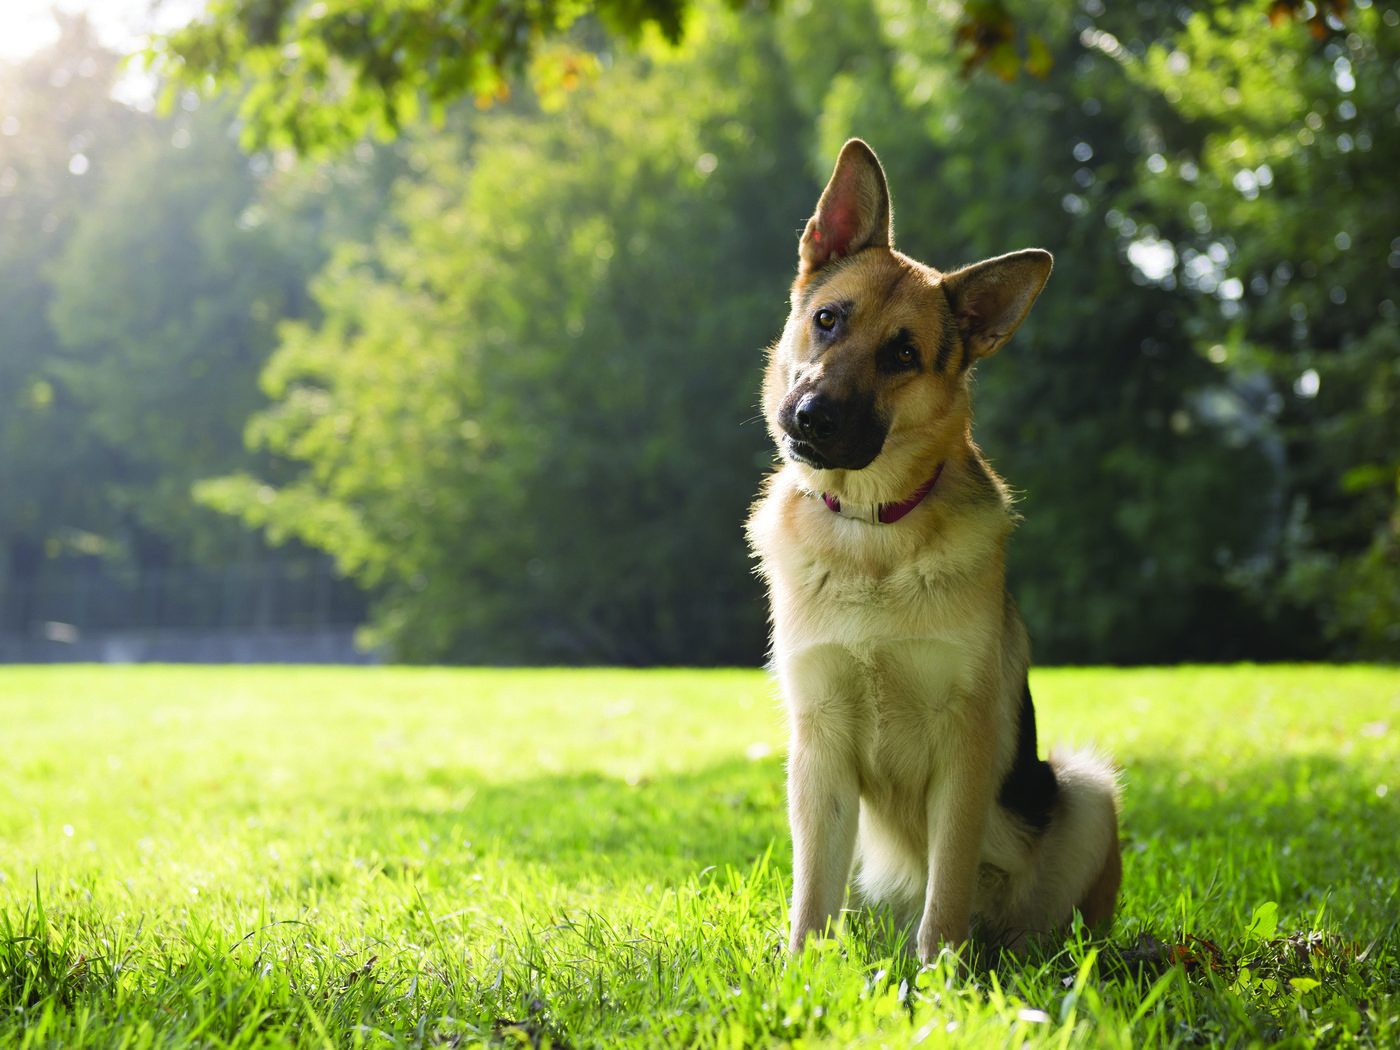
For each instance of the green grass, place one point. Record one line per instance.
(234, 857)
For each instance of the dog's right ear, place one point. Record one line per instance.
(853, 213)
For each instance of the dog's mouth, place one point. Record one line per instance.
(804, 452)
(808, 454)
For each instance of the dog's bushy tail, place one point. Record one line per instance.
(1079, 865)
(1074, 864)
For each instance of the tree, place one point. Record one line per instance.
(59, 131)
(164, 299)
(319, 76)
(492, 422)
(143, 263)
(1128, 495)
(1275, 185)
(523, 415)
(325, 74)
(1201, 494)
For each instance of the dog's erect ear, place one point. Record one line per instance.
(854, 211)
(990, 299)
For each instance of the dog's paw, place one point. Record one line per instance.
(935, 937)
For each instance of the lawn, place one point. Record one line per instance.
(260, 857)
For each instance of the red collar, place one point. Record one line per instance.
(883, 513)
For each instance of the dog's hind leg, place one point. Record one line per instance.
(1079, 866)
(1099, 900)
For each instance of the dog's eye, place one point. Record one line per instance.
(826, 319)
(898, 354)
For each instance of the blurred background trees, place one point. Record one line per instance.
(503, 366)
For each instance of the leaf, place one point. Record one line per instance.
(1366, 476)
(1280, 11)
(1263, 924)
(1304, 985)
(1039, 61)
(1003, 61)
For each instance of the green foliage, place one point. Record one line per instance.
(525, 411)
(318, 76)
(1089, 412)
(1167, 501)
(143, 264)
(425, 857)
(163, 300)
(1278, 173)
(519, 399)
(55, 109)
(1181, 496)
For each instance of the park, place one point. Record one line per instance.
(420, 346)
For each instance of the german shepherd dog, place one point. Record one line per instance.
(902, 659)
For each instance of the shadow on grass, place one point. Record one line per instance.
(586, 826)
(1300, 830)
(1294, 829)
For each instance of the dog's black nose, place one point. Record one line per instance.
(816, 418)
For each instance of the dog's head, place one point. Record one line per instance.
(868, 387)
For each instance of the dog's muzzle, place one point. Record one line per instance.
(830, 434)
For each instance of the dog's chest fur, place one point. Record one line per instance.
(884, 634)
(838, 581)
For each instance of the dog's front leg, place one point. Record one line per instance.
(958, 806)
(824, 811)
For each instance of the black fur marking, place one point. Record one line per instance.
(947, 341)
(894, 284)
(968, 358)
(1029, 789)
(887, 357)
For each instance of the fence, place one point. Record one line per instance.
(294, 610)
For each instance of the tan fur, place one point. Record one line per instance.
(901, 657)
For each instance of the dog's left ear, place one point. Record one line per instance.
(990, 299)
(854, 211)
